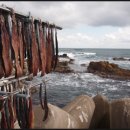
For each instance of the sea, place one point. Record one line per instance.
(63, 88)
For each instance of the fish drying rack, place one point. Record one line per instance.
(12, 79)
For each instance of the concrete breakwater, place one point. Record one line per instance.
(86, 112)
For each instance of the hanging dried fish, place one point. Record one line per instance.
(49, 52)
(38, 43)
(7, 114)
(5, 48)
(53, 49)
(24, 39)
(3, 120)
(17, 111)
(10, 107)
(28, 43)
(14, 108)
(56, 42)
(15, 44)
(1, 59)
(24, 109)
(35, 58)
(21, 47)
(9, 24)
(31, 115)
(42, 49)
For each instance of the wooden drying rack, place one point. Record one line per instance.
(11, 79)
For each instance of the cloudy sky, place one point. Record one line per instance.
(85, 24)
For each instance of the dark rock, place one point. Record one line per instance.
(62, 67)
(120, 59)
(84, 65)
(64, 56)
(71, 61)
(108, 70)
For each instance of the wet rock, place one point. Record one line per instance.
(108, 70)
(101, 118)
(63, 67)
(71, 61)
(64, 56)
(120, 59)
(84, 65)
(82, 109)
(120, 113)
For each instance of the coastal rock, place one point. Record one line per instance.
(63, 67)
(84, 65)
(120, 59)
(101, 118)
(120, 113)
(63, 64)
(64, 56)
(71, 61)
(108, 70)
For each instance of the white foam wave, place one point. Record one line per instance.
(86, 53)
(112, 89)
(128, 83)
(70, 55)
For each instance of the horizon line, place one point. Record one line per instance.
(90, 48)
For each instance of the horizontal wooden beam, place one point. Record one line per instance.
(4, 8)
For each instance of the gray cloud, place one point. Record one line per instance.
(71, 14)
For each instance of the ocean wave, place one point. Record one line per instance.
(86, 53)
(71, 55)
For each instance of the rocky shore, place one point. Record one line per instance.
(108, 70)
(101, 68)
(63, 64)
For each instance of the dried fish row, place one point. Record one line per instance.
(26, 40)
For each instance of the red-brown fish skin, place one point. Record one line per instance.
(1, 71)
(35, 58)
(49, 53)
(1, 62)
(53, 49)
(3, 121)
(43, 50)
(15, 45)
(28, 48)
(37, 30)
(56, 43)
(5, 40)
(31, 114)
(11, 113)
(21, 48)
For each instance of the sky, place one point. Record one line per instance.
(85, 24)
